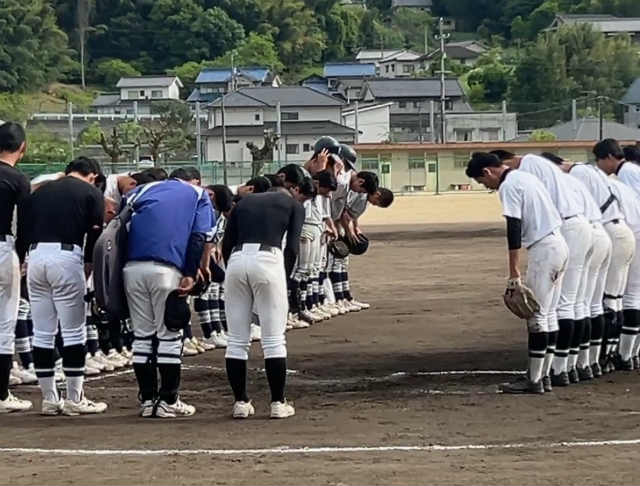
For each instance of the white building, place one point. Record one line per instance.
(305, 115)
(140, 89)
(392, 63)
(373, 122)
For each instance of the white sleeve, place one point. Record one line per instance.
(631, 178)
(512, 201)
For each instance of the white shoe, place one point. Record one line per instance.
(331, 309)
(256, 332)
(14, 379)
(362, 305)
(115, 359)
(83, 407)
(27, 377)
(352, 306)
(99, 357)
(188, 348)
(52, 408)
(281, 410)
(324, 315)
(14, 404)
(219, 339)
(342, 308)
(299, 323)
(90, 371)
(178, 409)
(126, 356)
(308, 316)
(207, 343)
(243, 410)
(197, 345)
(146, 408)
(91, 362)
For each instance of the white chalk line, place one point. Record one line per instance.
(318, 450)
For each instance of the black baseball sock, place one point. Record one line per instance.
(597, 328)
(574, 346)
(538, 342)
(115, 334)
(237, 375)
(585, 341)
(6, 362)
(276, 369)
(147, 376)
(26, 359)
(92, 346)
(552, 338)
(169, 382)
(73, 358)
(562, 347)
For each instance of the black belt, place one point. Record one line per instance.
(63, 246)
(570, 217)
(263, 247)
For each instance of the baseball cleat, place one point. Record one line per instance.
(561, 379)
(197, 345)
(51, 407)
(115, 359)
(90, 371)
(83, 407)
(207, 344)
(91, 362)
(573, 376)
(282, 410)
(99, 357)
(546, 384)
(146, 408)
(188, 349)
(219, 339)
(14, 380)
(362, 305)
(523, 385)
(352, 306)
(27, 377)
(299, 324)
(243, 410)
(596, 370)
(585, 374)
(178, 409)
(307, 316)
(256, 332)
(331, 309)
(14, 404)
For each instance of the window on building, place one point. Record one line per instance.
(289, 115)
(293, 148)
(307, 147)
(156, 93)
(132, 95)
(461, 159)
(256, 117)
(448, 105)
(386, 68)
(463, 134)
(416, 163)
(370, 164)
(416, 104)
(402, 104)
(141, 93)
(432, 168)
(393, 68)
(233, 141)
(408, 68)
(489, 134)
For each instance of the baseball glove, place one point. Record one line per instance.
(520, 300)
(338, 249)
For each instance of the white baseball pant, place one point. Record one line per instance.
(623, 246)
(57, 286)
(631, 299)
(147, 285)
(9, 294)
(582, 306)
(577, 234)
(256, 282)
(598, 268)
(547, 264)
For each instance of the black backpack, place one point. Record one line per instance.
(109, 258)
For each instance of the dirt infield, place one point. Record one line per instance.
(373, 406)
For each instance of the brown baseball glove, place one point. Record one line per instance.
(520, 300)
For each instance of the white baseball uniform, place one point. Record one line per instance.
(629, 173)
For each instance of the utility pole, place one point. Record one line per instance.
(198, 137)
(70, 114)
(443, 94)
(224, 145)
(426, 39)
(136, 119)
(233, 71)
(278, 131)
(600, 118)
(356, 123)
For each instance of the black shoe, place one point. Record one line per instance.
(585, 374)
(561, 379)
(522, 385)
(596, 370)
(623, 365)
(546, 384)
(573, 376)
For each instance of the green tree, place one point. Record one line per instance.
(412, 23)
(46, 148)
(171, 131)
(542, 136)
(14, 107)
(255, 50)
(116, 142)
(33, 49)
(492, 75)
(109, 71)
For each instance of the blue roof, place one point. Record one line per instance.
(349, 69)
(202, 98)
(221, 75)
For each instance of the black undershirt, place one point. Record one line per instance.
(264, 218)
(14, 190)
(64, 211)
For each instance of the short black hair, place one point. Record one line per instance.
(632, 153)
(260, 184)
(503, 154)
(12, 136)
(556, 159)
(275, 180)
(327, 179)
(223, 197)
(180, 173)
(84, 166)
(194, 173)
(386, 197)
(371, 181)
(307, 187)
(156, 173)
(480, 161)
(608, 147)
(292, 173)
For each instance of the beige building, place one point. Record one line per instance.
(414, 167)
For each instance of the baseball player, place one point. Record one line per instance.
(628, 346)
(14, 190)
(610, 159)
(61, 213)
(532, 222)
(256, 281)
(577, 233)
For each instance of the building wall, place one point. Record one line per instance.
(247, 116)
(374, 124)
(238, 116)
(171, 92)
(422, 105)
(481, 127)
(427, 167)
(395, 69)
